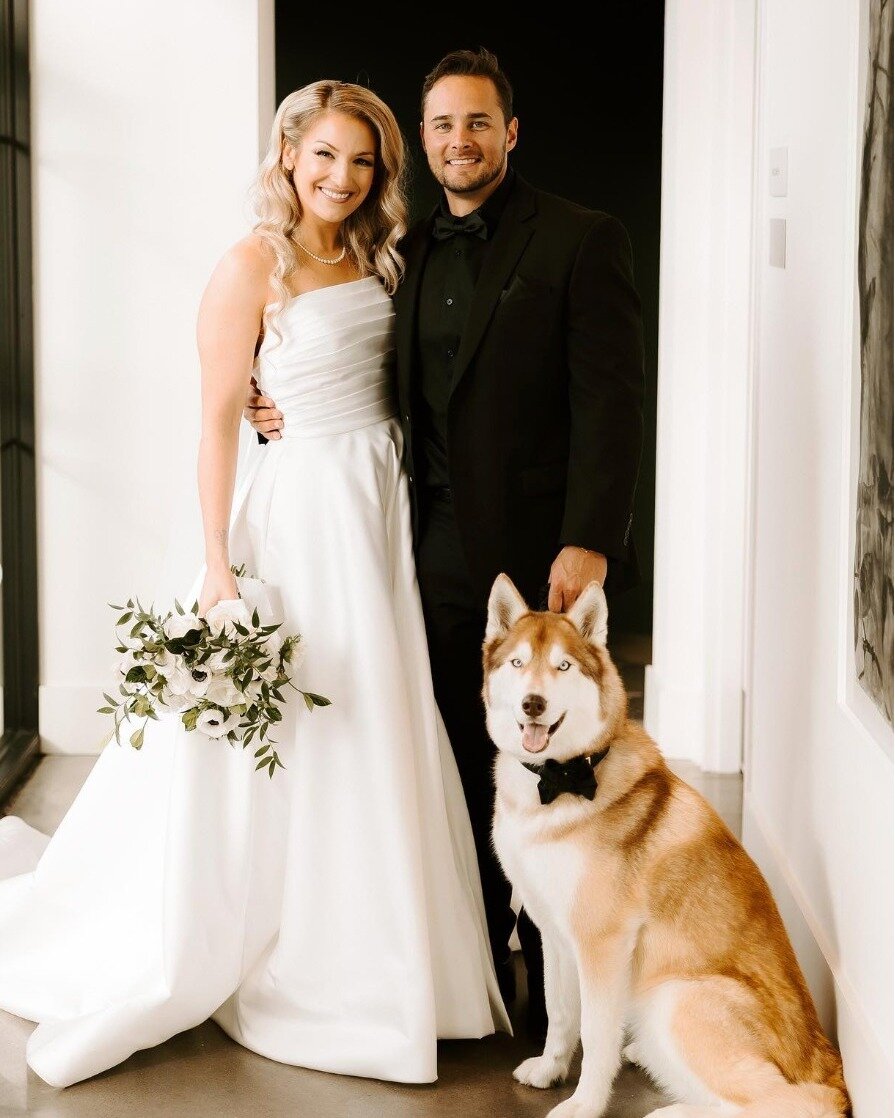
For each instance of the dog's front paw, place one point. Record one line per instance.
(541, 1071)
(574, 1108)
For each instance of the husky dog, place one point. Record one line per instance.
(654, 919)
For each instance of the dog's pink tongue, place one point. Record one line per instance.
(534, 737)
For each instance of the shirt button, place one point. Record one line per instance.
(450, 302)
(450, 353)
(457, 252)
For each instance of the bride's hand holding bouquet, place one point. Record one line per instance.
(219, 586)
(220, 669)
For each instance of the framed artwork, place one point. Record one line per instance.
(871, 685)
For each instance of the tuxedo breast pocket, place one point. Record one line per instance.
(526, 289)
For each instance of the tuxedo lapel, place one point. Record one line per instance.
(406, 304)
(514, 230)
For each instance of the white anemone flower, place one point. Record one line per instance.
(215, 723)
(200, 678)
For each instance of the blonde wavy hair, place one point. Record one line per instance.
(372, 232)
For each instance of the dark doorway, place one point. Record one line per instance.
(18, 652)
(590, 111)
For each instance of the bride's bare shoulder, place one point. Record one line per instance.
(244, 269)
(253, 253)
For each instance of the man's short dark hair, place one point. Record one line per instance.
(479, 63)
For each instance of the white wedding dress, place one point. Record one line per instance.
(331, 916)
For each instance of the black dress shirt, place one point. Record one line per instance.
(450, 274)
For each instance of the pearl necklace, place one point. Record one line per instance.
(321, 259)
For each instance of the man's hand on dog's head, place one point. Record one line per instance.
(572, 570)
(262, 413)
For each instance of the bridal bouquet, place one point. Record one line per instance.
(223, 673)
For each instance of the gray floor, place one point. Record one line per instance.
(202, 1072)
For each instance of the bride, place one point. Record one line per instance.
(331, 916)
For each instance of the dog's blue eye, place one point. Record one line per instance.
(517, 663)
(564, 666)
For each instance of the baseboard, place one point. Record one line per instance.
(69, 722)
(868, 1068)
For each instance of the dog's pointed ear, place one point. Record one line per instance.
(505, 606)
(590, 614)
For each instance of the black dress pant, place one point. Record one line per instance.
(455, 615)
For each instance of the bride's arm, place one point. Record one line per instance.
(229, 320)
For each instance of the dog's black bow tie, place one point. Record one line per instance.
(474, 224)
(575, 776)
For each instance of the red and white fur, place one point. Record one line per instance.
(655, 922)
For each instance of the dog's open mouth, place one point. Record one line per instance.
(535, 735)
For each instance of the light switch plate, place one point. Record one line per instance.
(779, 172)
(777, 243)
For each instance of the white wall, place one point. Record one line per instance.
(146, 138)
(819, 807)
(754, 538)
(693, 699)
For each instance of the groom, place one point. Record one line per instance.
(520, 387)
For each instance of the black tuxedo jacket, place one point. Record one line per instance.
(545, 419)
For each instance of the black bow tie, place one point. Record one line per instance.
(575, 776)
(474, 224)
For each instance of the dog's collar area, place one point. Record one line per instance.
(575, 777)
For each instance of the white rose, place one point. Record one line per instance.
(218, 662)
(273, 644)
(167, 664)
(253, 691)
(177, 702)
(179, 624)
(179, 680)
(216, 724)
(223, 616)
(222, 691)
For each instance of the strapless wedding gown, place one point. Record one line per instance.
(329, 917)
